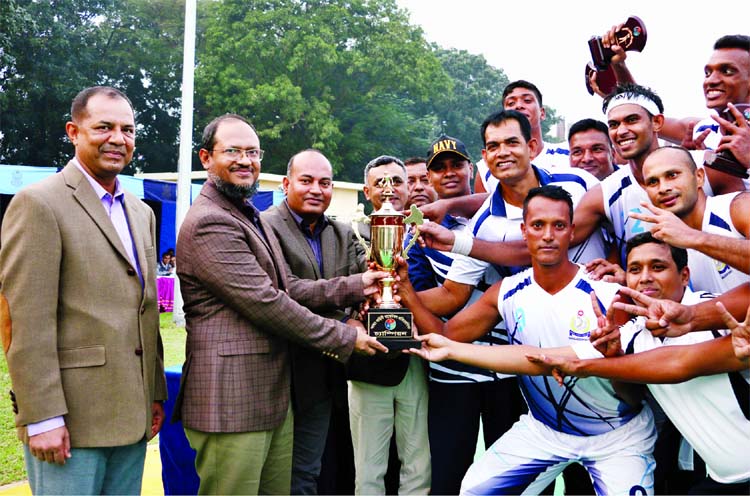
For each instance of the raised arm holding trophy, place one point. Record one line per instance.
(630, 37)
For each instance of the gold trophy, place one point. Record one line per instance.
(389, 322)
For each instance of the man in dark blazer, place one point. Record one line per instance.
(315, 247)
(242, 312)
(78, 312)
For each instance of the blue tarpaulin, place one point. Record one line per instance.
(162, 195)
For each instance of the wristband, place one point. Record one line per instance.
(462, 243)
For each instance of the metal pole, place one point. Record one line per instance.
(184, 166)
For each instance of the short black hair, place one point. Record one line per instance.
(587, 125)
(414, 161)
(383, 160)
(78, 106)
(632, 89)
(740, 41)
(505, 115)
(209, 132)
(551, 192)
(679, 255)
(523, 84)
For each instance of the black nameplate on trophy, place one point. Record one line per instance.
(392, 327)
(725, 161)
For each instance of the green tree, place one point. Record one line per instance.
(72, 44)
(346, 77)
(477, 92)
(551, 118)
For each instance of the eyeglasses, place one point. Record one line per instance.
(254, 154)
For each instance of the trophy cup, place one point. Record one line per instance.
(725, 161)
(389, 322)
(631, 37)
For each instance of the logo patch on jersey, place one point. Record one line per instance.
(580, 326)
(638, 226)
(723, 269)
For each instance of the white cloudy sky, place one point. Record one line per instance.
(545, 42)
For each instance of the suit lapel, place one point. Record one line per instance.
(294, 232)
(210, 191)
(137, 233)
(85, 195)
(329, 251)
(277, 256)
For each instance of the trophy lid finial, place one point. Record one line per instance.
(386, 183)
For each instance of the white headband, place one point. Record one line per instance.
(624, 98)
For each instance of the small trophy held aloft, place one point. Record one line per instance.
(631, 37)
(725, 161)
(389, 322)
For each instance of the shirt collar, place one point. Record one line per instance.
(98, 188)
(497, 203)
(304, 226)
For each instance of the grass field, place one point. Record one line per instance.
(11, 451)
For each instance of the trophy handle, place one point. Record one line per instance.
(606, 79)
(405, 253)
(415, 218)
(355, 227)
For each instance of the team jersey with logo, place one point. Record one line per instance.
(583, 407)
(706, 273)
(428, 269)
(553, 155)
(497, 220)
(711, 412)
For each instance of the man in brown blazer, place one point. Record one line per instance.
(242, 312)
(78, 312)
(315, 247)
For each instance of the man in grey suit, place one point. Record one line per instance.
(78, 312)
(315, 247)
(242, 312)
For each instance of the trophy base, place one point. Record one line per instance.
(727, 164)
(393, 327)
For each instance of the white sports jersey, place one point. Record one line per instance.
(552, 155)
(427, 269)
(706, 273)
(622, 194)
(712, 412)
(497, 220)
(714, 136)
(584, 407)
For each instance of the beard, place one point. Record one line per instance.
(234, 191)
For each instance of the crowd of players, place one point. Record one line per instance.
(645, 220)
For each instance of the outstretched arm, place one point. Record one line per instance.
(675, 363)
(469, 324)
(669, 318)
(504, 359)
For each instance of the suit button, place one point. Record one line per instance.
(139, 351)
(131, 271)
